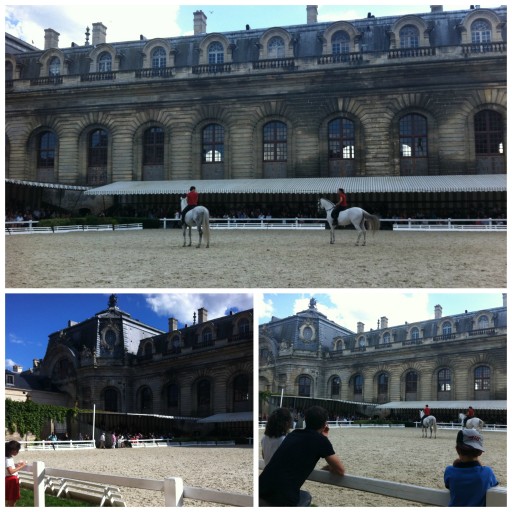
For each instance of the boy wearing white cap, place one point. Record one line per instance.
(467, 480)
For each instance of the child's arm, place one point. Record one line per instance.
(14, 469)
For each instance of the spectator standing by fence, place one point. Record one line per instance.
(12, 481)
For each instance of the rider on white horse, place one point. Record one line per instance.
(470, 414)
(192, 201)
(339, 207)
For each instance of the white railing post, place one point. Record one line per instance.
(173, 492)
(38, 476)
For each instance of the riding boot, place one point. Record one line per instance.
(334, 222)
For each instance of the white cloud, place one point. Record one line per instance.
(124, 23)
(13, 338)
(9, 363)
(182, 306)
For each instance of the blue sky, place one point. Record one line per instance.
(157, 19)
(30, 318)
(347, 307)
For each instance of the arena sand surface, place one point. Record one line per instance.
(221, 468)
(256, 259)
(398, 455)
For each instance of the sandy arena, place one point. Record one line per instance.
(398, 455)
(223, 468)
(256, 259)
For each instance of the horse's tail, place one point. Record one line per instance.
(434, 424)
(206, 226)
(373, 221)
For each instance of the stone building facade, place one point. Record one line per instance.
(121, 365)
(416, 95)
(460, 357)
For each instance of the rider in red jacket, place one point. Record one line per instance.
(192, 201)
(340, 206)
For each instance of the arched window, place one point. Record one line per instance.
(415, 333)
(110, 397)
(275, 147)
(358, 384)
(213, 143)
(148, 350)
(173, 395)
(409, 37)
(241, 389)
(483, 322)
(105, 62)
(97, 157)
(413, 136)
(98, 147)
(146, 400)
(175, 345)
(304, 385)
(54, 67)
(382, 384)
(386, 339)
(206, 335)
(447, 328)
(275, 48)
(361, 342)
(444, 380)
(9, 70)
(153, 146)
(203, 393)
(341, 133)
(489, 134)
(158, 58)
(244, 326)
(481, 31)
(335, 387)
(215, 53)
(411, 382)
(340, 42)
(482, 378)
(46, 150)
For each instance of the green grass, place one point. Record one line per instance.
(27, 500)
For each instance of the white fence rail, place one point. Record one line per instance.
(172, 487)
(30, 227)
(496, 497)
(296, 223)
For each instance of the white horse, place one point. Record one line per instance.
(475, 423)
(200, 217)
(428, 422)
(355, 216)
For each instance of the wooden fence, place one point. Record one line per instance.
(496, 497)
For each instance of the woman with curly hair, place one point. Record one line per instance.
(279, 424)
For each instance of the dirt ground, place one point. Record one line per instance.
(222, 468)
(398, 455)
(256, 259)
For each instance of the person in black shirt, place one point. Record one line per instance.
(281, 480)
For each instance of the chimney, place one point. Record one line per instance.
(438, 311)
(312, 14)
(199, 23)
(16, 368)
(360, 327)
(436, 8)
(51, 39)
(383, 322)
(202, 315)
(173, 324)
(504, 300)
(99, 33)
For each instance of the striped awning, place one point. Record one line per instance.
(460, 405)
(40, 184)
(228, 417)
(380, 184)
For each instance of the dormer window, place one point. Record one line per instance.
(215, 53)
(275, 48)
(159, 58)
(105, 62)
(9, 380)
(340, 42)
(54, 67)
(481, 32)
(409, 37)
